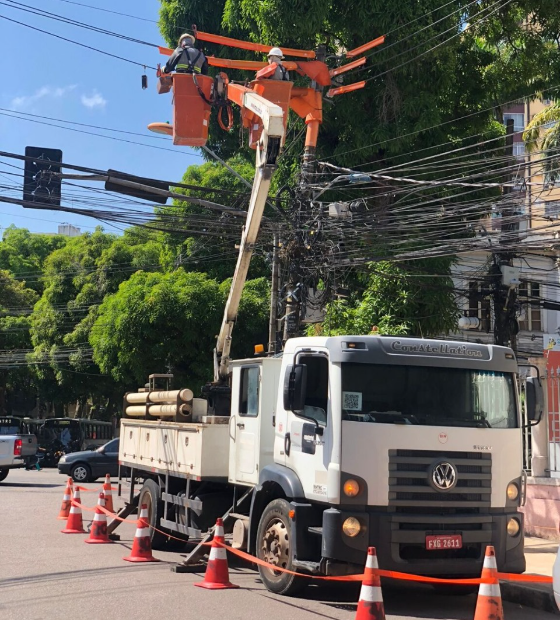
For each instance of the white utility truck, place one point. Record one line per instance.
(413, 446)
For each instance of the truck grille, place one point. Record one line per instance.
(409, 481)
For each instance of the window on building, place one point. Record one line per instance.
(518, 121)
(529, 296)
(479, 306)
(519, 150)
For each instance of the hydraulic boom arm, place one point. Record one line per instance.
(268, 149)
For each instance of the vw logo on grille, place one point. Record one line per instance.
(443, 476)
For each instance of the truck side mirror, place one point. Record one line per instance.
(534, 400)
(295, 387)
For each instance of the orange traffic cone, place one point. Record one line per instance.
(66, 501)
(142, 546)
(489, 602)
(108, 494)
(75, 525)
(370, 605)
(217, 574)
(98, 533)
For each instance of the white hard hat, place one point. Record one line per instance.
(186, 36)
(276, 51)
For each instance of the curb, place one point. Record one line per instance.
(537, 598)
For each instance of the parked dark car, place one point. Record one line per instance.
(89, 465)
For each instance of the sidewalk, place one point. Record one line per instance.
(540, 555)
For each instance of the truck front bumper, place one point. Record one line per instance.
(400, 540)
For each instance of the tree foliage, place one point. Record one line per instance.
(398, 299)
(167, 323)
(543, 134)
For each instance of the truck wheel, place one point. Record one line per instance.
(81, 473)
(3, 474)
(274, 546)
(150, 494)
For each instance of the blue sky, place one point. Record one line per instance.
(50, 77)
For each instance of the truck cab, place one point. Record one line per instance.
(412, 446)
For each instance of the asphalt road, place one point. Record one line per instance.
(45, 574)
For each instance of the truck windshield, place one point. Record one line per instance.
(431, 396)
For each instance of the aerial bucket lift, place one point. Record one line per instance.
(191, 110)
(194, 95)
(274, 91)
(264, 111)
(192, 105)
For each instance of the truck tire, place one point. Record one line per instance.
(150, 494)
(81, 472)
(274, 546)
(3, 474)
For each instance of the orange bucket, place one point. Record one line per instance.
(276, 91)
(191, 114)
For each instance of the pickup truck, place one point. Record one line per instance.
(17, 448)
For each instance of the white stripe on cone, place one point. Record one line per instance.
(371, 562)
(219, 531)
(371, 594)
(144, 513)
(75, 510)
(489, 589)
(142, 532)
(490, 562)
(218, 553)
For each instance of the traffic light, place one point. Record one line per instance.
(41, 180)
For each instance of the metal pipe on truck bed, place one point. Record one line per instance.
(157, 410)
(137, 398)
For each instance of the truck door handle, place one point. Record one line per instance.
(287, 444)
(240, 425)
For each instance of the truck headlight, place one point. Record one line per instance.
(513, 527)
(512, 491)
(351, 488)
(351, 527)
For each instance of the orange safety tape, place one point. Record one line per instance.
(357, 577)
(395, 574)
(525, 578)
(107, 512)
(98, 490)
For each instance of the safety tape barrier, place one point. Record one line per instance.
(97, 490)
(390, 573)
(103, 509)
(356, 577)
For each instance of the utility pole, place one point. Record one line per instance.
(295, 292)
(273, 320)
(504, 280)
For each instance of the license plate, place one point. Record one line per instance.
(446, 541)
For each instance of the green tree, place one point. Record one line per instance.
(168, 323)
(15, 307)
(399, 299)
(24, 253)
(436, 84)
(543, 134)
(203, 239)
(158, 323)
(77, 278)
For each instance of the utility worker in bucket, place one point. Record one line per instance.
(275, 56)
(186, 58)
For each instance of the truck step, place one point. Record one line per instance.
(193, 558)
